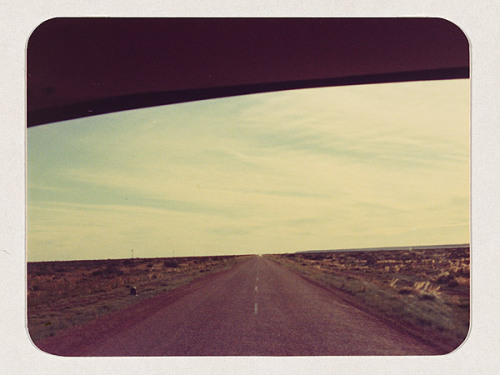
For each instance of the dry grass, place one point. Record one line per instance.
(66, 294)
(425, 292)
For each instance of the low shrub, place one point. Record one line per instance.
(170, 263)
(108, 272)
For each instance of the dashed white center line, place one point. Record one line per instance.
(255, 304)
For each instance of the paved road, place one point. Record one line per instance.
(257, 308)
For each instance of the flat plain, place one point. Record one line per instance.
(422, 293)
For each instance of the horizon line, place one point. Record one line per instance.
(415, 247)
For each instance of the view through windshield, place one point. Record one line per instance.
(328, 168)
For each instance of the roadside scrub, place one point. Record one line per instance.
(424, 292)
(65, 294)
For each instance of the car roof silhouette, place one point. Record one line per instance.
(79, 67)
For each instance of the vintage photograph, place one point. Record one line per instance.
(248, 187)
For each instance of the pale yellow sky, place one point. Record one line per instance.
(342, 167)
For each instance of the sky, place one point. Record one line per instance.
(329, 168)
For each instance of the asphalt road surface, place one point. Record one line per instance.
(258, 308)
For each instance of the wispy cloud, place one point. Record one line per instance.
(368, 165)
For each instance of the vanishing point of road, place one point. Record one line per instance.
(257, 308)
